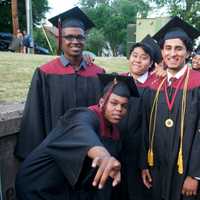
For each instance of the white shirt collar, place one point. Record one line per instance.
(177, 75)
(143, 77)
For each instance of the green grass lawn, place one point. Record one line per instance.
(17, 69)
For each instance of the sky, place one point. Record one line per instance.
(59, 6)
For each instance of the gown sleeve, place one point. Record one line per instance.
(145, 132)
(32, 130)
(69, 148)
(194, 163)
(194, 166)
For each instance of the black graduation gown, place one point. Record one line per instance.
(167, 183)
(132, 185)
(59, 169)
(54, 90)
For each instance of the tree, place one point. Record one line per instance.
(189, 10)
(15, 20)
(5, 16)
(95, 41)
(40, 39)
(39, 9)
(93, 3)
(112, 18)
(124, 13)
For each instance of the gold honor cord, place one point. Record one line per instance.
(153, 116)
(183, 109)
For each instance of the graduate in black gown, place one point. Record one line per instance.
(81, 152)
(142, 58)
(171, 142)
(63, 83)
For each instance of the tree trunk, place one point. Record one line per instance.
(15, 20)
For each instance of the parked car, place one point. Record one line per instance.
(6, 39)
(40, 50)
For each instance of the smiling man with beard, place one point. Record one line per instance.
(63, 83)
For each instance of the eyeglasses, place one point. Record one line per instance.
(70, 38)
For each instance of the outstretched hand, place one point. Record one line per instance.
(108, 166)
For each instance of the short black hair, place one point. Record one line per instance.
(186, 41)
(146, 49)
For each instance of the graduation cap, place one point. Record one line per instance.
(177, 28)
(153, 47)
(120, 85)
(74, 17)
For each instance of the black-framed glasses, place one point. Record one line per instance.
(71, 38)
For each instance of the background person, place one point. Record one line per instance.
(16, 44)
(27, 42)
(20, 39)
(196, 60)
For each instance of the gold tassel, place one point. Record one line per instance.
(180, 162)
(150, 158)
(183, 110)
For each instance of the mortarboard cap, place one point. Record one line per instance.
(122, 85)
(74, 17)
(153, 47)
(177, 28)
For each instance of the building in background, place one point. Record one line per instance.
(136, 32)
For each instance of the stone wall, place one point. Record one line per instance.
(10, 118)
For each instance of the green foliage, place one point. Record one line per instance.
(39, 8)
(112, 18)
(40, 39)
(95, 41)
(131, 8)
(5, 16)
(186, 9)
(93, 3)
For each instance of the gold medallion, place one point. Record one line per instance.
(169, 123)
